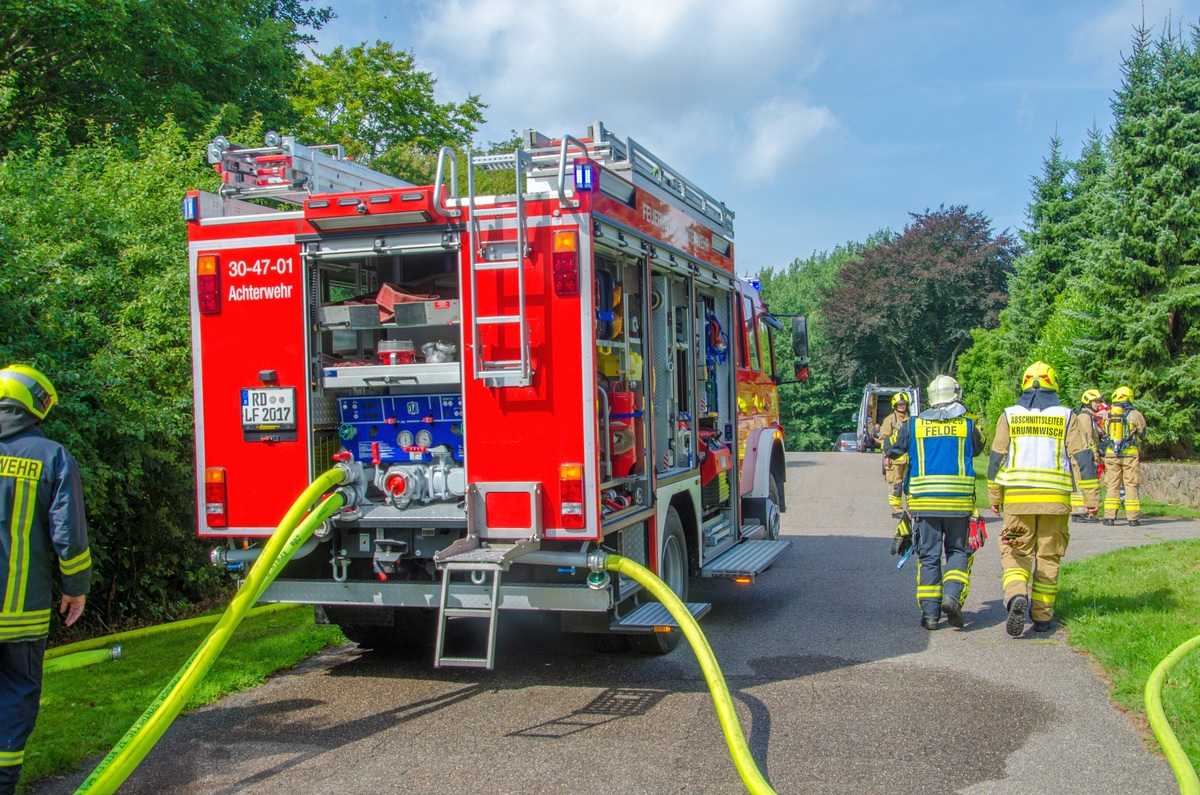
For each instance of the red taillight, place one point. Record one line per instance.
(216, 506)
(565, 262)
(570, 494)
(208, 283)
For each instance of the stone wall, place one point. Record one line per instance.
(1176, 483)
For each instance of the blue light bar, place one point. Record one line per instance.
(583, 176)
(191, 208)
(755, 283)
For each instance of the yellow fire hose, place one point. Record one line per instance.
(129, 751)
(1185, 773)
(80, 659)
(122, 637)
(751, 776)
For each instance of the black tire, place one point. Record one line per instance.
(673, 571)
(774, 494)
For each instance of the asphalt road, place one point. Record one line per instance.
(838, 687)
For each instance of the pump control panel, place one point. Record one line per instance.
(401, 428)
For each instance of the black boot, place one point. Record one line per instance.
(1016, 615)
(1041, 626)
(1135, 523)
(929, 622)
(953, 611)
(1108, 523)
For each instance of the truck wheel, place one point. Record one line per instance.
(673, 571)
(773, 507)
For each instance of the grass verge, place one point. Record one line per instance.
(1131, 608)
(85, 711)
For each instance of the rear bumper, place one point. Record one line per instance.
(518, 596)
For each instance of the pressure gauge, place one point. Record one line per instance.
(404, 438)
(424, 439)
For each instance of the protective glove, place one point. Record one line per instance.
(978, 536)
(902, 540)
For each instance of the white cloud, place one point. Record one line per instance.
(1110, 33)
(780, 131)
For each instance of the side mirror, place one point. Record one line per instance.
(854, 418)
(800, 347)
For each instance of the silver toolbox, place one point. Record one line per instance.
(383, 375)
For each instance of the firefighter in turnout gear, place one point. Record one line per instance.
(44, 531)
(1125, 429)
(1088, 413)
(941, 443)
(895, 470)
(1029, 482)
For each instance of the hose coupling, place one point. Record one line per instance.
(597, 560)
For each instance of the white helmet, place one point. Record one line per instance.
(944, 390)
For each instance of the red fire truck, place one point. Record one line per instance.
(520, 380)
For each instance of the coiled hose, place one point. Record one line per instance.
(751, 776)
(129, 751)
(1177, 758)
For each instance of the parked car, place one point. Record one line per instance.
(846, 443)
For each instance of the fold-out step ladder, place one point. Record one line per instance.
(747, 559)
(481, 562)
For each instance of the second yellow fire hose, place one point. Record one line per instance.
(751, 776)
(1185, 773)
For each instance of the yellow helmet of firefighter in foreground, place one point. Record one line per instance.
(900, 397)
(21, 385)
(1041, 375)
(1123, 394)
(1090, 396)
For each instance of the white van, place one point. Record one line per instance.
(876, 405)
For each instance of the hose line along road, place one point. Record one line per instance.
(838, 688)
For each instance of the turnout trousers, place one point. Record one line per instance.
(20, 692)
(1031, 546)
(1121, 470)
(935, 536)
(894, 473)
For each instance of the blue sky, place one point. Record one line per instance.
(817, 122)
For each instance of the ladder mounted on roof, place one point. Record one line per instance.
(290, 172)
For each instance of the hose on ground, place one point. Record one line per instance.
(739, 750)
(80, 659)
(1177, 758)
(129, 751)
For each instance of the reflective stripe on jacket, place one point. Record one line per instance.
(44, 531)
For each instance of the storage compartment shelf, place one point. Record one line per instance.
(407, 315)
(385, 375)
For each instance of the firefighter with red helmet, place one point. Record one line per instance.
(1126, 427)
(44, 534)
(1029, 483)
(895, 470)
(1090, 406)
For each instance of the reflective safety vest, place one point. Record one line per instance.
(1038, 468)
(942, 478)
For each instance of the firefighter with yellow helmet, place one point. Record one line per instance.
(895, 470)
(1029, 483)
(1089, 413)
(44, 534)
(1126, 427)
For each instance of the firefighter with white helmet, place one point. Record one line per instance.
(44, 533)
(941, 442)
(1126, 427)
(1029, 481)
(894, 471)
(1089, 411)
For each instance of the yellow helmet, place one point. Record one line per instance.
(899, 397)
(1123, 394)
(1090, 396)
(21, 385)
(1040, 374)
